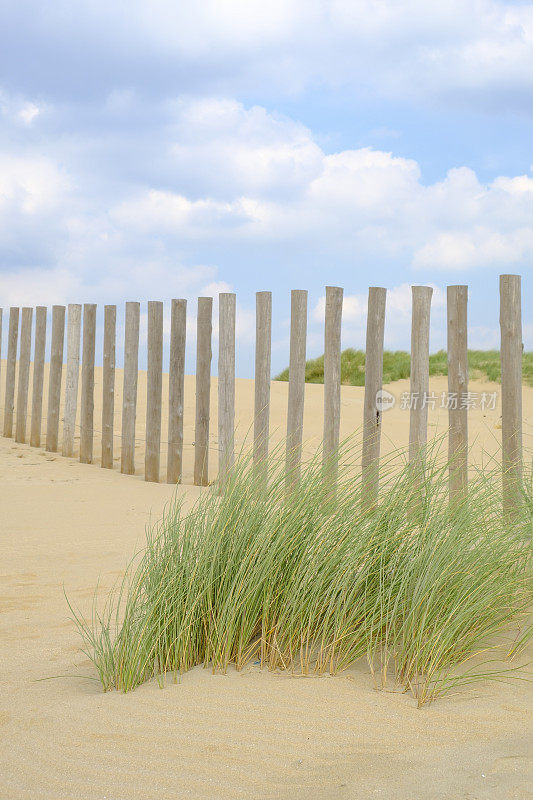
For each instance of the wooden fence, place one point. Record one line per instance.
(19, 342)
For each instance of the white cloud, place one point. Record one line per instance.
(127, 280)
(398, 303)
(28, 113)
(475, 51)
(480, 247)
(16, 109)
(397, 318)
(221, 144)
(156, 212)
(365, 201)
(62, 241)
(30, 184)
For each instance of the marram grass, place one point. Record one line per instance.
(308, 581)
(482, 364)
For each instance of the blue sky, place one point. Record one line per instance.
(157, 150)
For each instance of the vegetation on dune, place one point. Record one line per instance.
(310, 582)
(397, 365)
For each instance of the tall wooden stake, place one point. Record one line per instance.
(176, 390)
(72, 378)
(226, 384)
(38, 376)
(373, 404)
(129, 392)
(153, 391)
(54, 379)
(263, 347)
(11, 369)
(332, 380)
(418, 427)
(24, 373)
(511, 367)
(87, 384)
(108, 386)
(295, 415)
(457, 301)
(203, 390)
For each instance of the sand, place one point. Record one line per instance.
(484, 423)
(241, 735)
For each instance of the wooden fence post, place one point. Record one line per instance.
(11, 369)
(153, 391)
(226, 384)
(24, 374)
(457, 300)
(373, 409)
(263, 347)
(418, 423)
(72, 378)
(108, 386)
(87, 384)
(203, 390)
(332, 380)
(129, 394)
(54, 377)
(295, 414)
(38, 376)
(511, 370)
(0, 343)
(176, 390)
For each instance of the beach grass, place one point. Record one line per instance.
(310, 581)
(483, 364)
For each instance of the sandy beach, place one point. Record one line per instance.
(210, 737)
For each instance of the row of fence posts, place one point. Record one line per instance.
(457, 298)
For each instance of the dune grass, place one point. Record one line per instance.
(483, 364)
(309, 582)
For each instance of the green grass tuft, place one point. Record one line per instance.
(483, 364)
(309, 582)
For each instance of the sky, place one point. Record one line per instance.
(151, 150)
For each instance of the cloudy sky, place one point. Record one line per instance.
(160, 149)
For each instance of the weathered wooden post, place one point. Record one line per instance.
(263, 348)
(24, 374)
(418, 423)
(373, 405)
(38, 376)
(54, 378)
(332, 380)
(87, 384)
(108, 386)
(457, 301)
(295, 415)
(11, 369)
(203, 390)
(226, 384)
(0, 343)
(176, 390)
(511, 369)
(72, 378)
(154, 391)
(129, 392)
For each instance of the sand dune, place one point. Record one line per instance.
(484, 422)
(241, 735)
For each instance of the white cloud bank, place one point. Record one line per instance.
(469, 51)
(265, 179)
(252, 179)
(242, 180)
